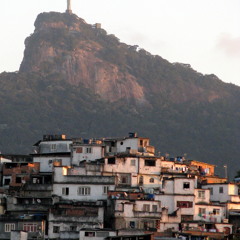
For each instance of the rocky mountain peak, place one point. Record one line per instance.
(66, 45)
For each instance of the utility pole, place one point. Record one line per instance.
(226, 171)
(69, 8)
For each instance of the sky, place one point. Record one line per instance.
(202, 33)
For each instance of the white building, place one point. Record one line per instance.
(71, 186)
(53, 150)
(131, 144)
(86, 150)
(223, 192)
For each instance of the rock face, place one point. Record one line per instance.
(80, 63)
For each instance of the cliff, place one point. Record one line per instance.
(86, 56)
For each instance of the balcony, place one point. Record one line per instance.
(146, 214)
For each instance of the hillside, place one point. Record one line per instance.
(78, 80)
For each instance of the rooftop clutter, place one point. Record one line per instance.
(109, 187)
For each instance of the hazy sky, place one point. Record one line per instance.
(203, 33)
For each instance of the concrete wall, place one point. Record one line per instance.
(55, 146)
(47, 162)
(19, 235)
(97, 235)
(143, 169)
(209, 216)
(199, 197)
(131, 143)
(96, 191)
(225, 195)
(179, 186)
(66, 222)
(96, 153)
(122, 165)
(170, 202)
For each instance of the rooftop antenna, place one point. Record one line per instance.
(69, 9)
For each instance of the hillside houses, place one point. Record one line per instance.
(113, 187)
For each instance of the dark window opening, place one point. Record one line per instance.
(89, 234)
(124, 179)
(184, 204)
(7, 181)
(65, 191)
(151, 180)
(132, 224)
(73, 228)
(56, 229)
(150, 163)
(186, 185)
(18, 180)
(111, 160)
(141, 180)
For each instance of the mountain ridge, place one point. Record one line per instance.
(79, 80)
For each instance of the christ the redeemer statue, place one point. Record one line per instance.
(69, 9)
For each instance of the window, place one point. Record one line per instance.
(56, 229)
(121, 143)
(201, 211)
(84, 191)
(216, 211)
(133, 162)
(220, 189)
(154, 208)
(132, 224)
(124, 179)
(186, 218)
(186, 185)
(157, 224)
(146, 207)
(211, 191)
(9, 227)
(73, 228)
(141, 180)
(201, 194)
(89, 234)
(111, 160)
(79, 150)
(88, 150)
(65, 191)
(53, 147)
(184, 204)
(18, 180)
(150, 162)
(30, 227)
(151, 180)
(141, 142)
(105, 189)
(7, 181)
